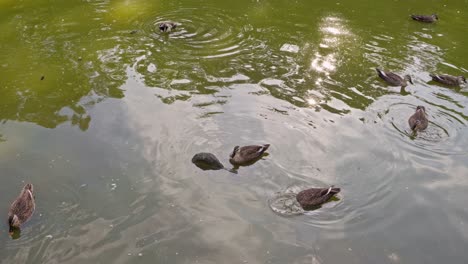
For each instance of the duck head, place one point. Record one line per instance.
(14, 223)
(420, 108)
(163, 27)
(435, 16)
(462, 79)
(167, 26)
(408, 78)
(236, 148)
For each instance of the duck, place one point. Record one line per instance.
(22, 208)
(448, 79)
(425, 18)
(393, 78)
(167, 26)
(247, 154)
(207, 161)
(314, 197)
(418, 121)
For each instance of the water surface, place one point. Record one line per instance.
(103, 113)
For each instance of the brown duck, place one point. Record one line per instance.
(393, 78)
(22, 208)
(448, 79)
(167, 26)
(314, 197)
(418, 121)
(247, 154)
(425, 18)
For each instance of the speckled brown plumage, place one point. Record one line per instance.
(448, 79)
(247, 154)
(393, 78)
(418, 121)
(425, 18)
(22, 208)
(314, 197)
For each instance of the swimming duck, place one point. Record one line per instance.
(314, 197)
(167, 26)
(448, 79)
(247, 154)
(418, 121)
(22, 208)
(207, 161)
(394, 79)
(425, 18)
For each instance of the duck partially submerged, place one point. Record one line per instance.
(22, 208)
(167, 26)
(314, 197)
(393, 78)
(425, 18)
(448, 79)
(207, 161)
(247, 154)
(418, 121)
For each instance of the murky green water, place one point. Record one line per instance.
(107, 135)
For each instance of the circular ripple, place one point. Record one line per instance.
(284, 203)
(200, 34)
(439, 136)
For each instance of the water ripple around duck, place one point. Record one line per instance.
(445, 125)
(200, 34)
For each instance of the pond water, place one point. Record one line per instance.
(103, 113)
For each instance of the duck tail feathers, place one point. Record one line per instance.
(264, 148)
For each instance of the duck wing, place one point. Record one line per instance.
(418, 121)
(445, 79)
(315, 196)
(23, 206)
(253, 150)
(390, 77)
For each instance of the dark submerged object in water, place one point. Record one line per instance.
(207, 161)
(393, 78)
(314, 197)
(425, 18)
(247, 154)
(167, 26)
(448, 79)
(21, 209)
(418, 121)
